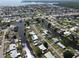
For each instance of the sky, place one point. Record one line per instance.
(17, 2)
(9, 2)
(51, 0)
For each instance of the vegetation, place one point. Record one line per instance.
(68, 54)
(6, 36)
(38, 21)
(16, 29)
(7, 55)
(14, 37)
(38, 51)
(45, 44)
(27, 23)
(19, 48)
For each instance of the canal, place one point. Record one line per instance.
(26, 47)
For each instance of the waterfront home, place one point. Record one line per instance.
(13, 51)
(42, 47)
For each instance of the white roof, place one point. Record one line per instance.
(35, 43)
(18, 54)
(16, 40)
(73, 28)
(34, 37)
(12, 46)
(67, 33)
(42, 47)
(45, 31)
(18, 20)
(13, 53)
(32, 33)
(55, 39)
(12, 26)
(49, 55)
(61, 45)
(28, 27)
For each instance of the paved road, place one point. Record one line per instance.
(3, 41)
(34, 27)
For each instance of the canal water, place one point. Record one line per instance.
(24, 42)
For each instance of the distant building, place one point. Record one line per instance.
(67, 33)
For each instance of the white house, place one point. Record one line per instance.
(55, 40)
(13, 51)
(67, 33)
(42, 47)
(12, 27)
(12, 46)
(61, 45)
(48, 55)
(32, 33)
(34, 37)
(74, 28)
(28, 27)
(45, 31)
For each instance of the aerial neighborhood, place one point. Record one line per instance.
(39, 31)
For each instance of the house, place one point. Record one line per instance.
(32, 33)
(48, 55)
(28, 27)
(12, 47)
(61, 45)
(67, 33)
(45, 31)
(74, 28)
(12, 27)
(55, 40)
(36, 42)
(34, 37)
(42, 47)
(13, 51)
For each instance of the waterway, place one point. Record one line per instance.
(24, 41)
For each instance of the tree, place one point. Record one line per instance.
(68, 54)
(19, 48)
(14, 37)
(38, 51)
(16, 29)
(27, 23)
(38, 21)
(6, 36)
(45, 44)
(49, 25)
